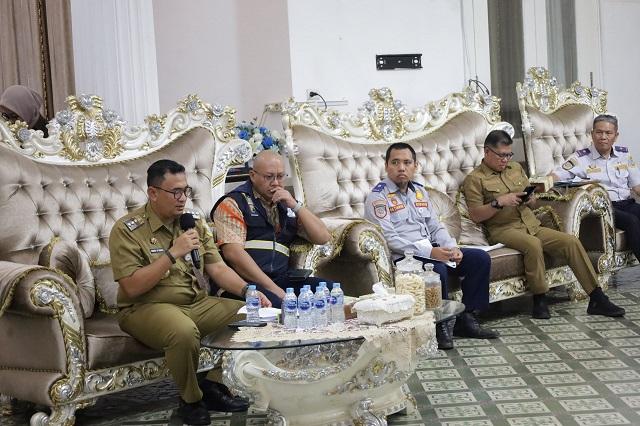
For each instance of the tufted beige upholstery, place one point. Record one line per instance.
(339, 159)
(556, 123)
(50, 354)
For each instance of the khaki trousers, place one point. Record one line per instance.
(554, 243)
(176, 330)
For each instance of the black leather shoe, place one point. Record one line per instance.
(540, 308)
(217, 397)
(603, 306)
(467, 326)
(194, 413)
(445, 341)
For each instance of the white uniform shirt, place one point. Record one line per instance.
(617, 174)
(408, 221)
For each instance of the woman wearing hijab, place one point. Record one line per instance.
(20, 102)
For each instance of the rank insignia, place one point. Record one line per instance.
(396, 208)
(583, 152)
(621, 166)
(621, 148)
(379, 187)
(133, 223)
(154, 241)
(380, 209)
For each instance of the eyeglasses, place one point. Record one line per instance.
(502, 155)
(271, 178)
(406, 163)
(178, 193)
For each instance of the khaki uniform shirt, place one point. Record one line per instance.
(617, 174)
(484, 185)
(139, 238)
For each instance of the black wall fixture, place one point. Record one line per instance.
(391, 62)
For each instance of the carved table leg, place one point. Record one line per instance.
(364, 416)
(61, 415)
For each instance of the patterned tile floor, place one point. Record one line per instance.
(573, 369)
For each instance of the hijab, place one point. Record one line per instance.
(23, 101)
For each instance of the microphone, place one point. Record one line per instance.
(188, 222)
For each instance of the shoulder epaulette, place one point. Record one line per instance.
(134, 222)
(417, 183)
(621, 148)
(379, 187)
(583, 152)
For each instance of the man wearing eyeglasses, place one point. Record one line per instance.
(495, 197)
(257, 222)
(613, 168)
(163, 297)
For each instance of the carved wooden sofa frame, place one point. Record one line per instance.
(556, 122)
(337, 157)
(51, 354)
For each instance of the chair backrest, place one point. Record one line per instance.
(91, 171)
(338, 157)
(556, 122)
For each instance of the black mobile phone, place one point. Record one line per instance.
(245, 323)
(297, 275)
(529, 190)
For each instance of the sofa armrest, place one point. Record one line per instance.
(36, 290)
(573, 205)
(354, 241)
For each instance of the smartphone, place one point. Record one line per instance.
(297, 275)
(245, 323)
(529, 190)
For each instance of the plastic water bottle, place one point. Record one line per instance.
(327, 297)
(337, 304)
(290, 309)
(253, 304)
(307, 287)
(305, 300)
(320, 311)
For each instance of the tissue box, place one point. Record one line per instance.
(381, 310)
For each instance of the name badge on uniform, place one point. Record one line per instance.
(156, 250)
(593, 169)
(421, 204)
(396, 208)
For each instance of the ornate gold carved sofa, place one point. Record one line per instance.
(70, 188)
(556, 122)
(338, 157)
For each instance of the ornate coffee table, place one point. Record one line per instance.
(354, 375)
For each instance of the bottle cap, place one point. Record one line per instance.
(252, 287)
(336, 285)
(289, 289)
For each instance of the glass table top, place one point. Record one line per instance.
(222, 339)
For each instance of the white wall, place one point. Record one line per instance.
(334, 44)
(228, 52)
(620, 65)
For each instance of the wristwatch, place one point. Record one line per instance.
(297, 207)
(496, 205)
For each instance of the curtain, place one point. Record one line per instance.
(36, 49)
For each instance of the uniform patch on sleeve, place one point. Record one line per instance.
(570, 164)
(620, 148)
(379, 187)
(380, 209)
(133, 223)
(583, 152)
